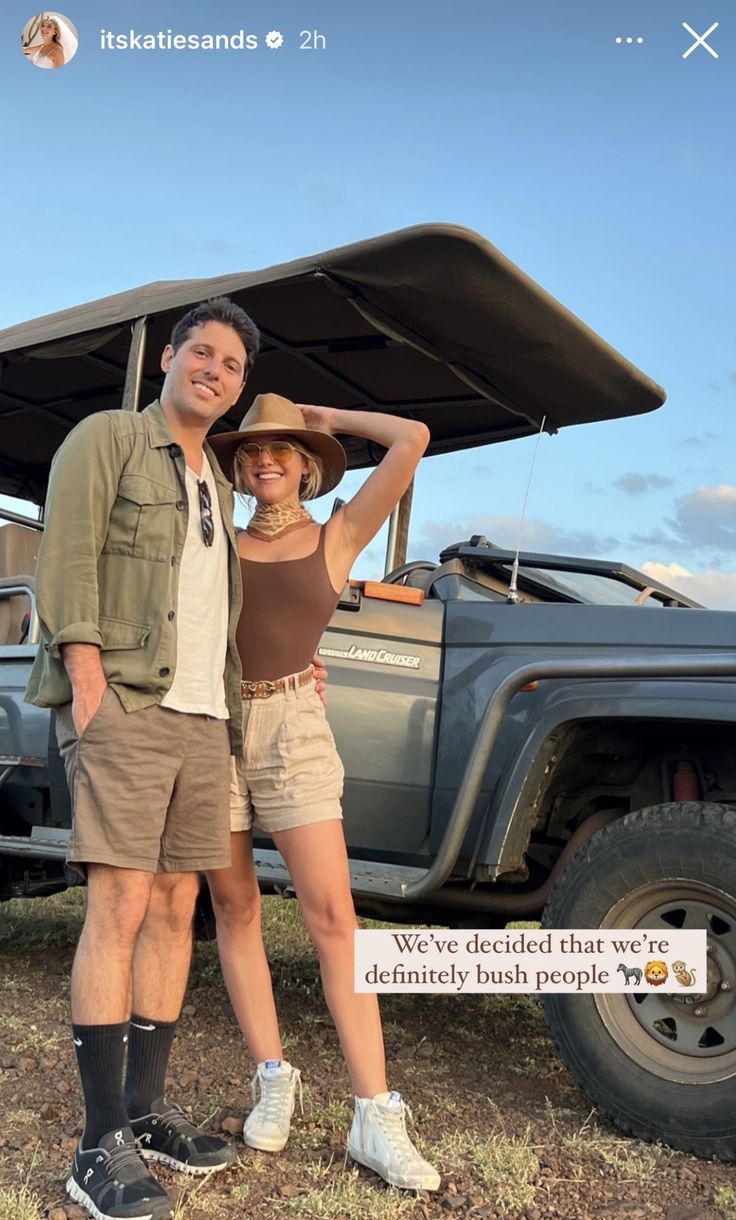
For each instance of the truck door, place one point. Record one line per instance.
(384, 662)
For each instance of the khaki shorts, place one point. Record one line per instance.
(149, 788)
(290, 773)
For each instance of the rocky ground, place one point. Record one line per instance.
(493, 1107)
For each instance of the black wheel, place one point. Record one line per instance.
(660, 1067)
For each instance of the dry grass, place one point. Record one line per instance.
(350, 1195)
(37, 923)
(37, 1042)
(504, 1163)
(12, 1023)
(724, 1201)
(19, 1203)
(447, 1052)
(13, 984)
(323, 1122)
(19, 1118)
(632, 1159)
(190, 1195)
(240, 1193)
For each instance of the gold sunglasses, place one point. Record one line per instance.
(280, 451)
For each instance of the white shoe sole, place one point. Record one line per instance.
(75, 1192)
(194, 1171)
(426, 1182)
(264, 1143)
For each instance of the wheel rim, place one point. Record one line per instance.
(690, 1043)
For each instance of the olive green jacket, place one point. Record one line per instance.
(108, 567)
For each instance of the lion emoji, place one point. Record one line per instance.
(685, 977)
(655, 973)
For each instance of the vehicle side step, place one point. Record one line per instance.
(9, 764)
(366, 876)
(42, 844)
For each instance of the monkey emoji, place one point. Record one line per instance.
(655, 973)
(685, 977)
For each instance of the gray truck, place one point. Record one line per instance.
(524, 736)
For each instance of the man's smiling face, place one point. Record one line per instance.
(205, 375)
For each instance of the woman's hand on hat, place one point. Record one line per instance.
(319, 419)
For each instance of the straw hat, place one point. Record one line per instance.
(272, 415)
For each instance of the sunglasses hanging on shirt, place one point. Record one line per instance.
(205, 513)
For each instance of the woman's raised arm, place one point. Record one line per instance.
(405, 440)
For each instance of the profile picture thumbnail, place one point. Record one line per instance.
(49, 40)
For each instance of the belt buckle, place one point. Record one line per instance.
(260, 690)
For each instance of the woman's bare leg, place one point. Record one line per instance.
(236, 901)
(317, 861)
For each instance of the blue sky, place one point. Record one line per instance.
(606, 171)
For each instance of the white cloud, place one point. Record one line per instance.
(707, 517)
(704, 438)
(638, 484)
(717, 590)
(431, 537)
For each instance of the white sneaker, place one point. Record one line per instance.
(379, 1140)
(267, 1125)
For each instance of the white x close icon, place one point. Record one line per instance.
(700, 40)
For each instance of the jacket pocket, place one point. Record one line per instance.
(142, 518)
(125, 652)
(117, 634)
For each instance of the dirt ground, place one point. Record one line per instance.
(493, 1106)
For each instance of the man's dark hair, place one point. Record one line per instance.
(219, 309)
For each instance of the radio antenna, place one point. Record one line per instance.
(512, 597)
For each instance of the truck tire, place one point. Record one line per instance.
(653, 1067)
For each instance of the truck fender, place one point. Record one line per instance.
(506, 831)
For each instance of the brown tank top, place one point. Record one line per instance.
(287, 604)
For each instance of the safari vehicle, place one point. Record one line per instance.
(553, 742)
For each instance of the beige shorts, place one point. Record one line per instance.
(290, 773)
(149, 788)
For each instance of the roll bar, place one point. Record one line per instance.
(14, 586)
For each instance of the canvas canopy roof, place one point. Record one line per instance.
(431, 322)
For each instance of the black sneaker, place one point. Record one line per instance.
(167, 1135)
(113, 1183)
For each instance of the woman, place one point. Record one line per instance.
(49, 52)
(290, 777)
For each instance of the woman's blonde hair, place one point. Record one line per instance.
(311, 480)
(57, 28)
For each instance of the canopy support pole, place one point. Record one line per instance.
(134, 370)
(19, 519)
(398, 531)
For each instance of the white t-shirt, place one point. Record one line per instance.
(202, 613)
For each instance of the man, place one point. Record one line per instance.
(138, 588)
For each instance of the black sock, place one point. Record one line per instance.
(101, 1055)
(148, 1056)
